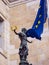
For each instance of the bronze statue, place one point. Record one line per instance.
(23, 50)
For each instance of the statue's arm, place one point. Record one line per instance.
(16, 32)
(28, 41)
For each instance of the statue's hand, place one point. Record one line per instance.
(13, 28)
(30, 42)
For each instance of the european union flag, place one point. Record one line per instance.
(37, 28)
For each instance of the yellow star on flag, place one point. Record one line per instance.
(39, 22)
(36, 26)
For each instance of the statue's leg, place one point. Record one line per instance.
(21, 57)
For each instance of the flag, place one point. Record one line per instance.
(38, 26)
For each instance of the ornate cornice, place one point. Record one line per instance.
(16, 2)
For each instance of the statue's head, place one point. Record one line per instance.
(24, 30)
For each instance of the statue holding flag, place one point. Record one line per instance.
(34, 32)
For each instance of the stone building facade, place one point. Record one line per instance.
(22, 16)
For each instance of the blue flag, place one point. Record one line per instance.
(37, 28)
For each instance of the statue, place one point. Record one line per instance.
(23, 50)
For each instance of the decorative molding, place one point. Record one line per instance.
(3, 55)
(32, 3)
(1, 14)
(1, 19)
(4, 10)
(14, 3)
